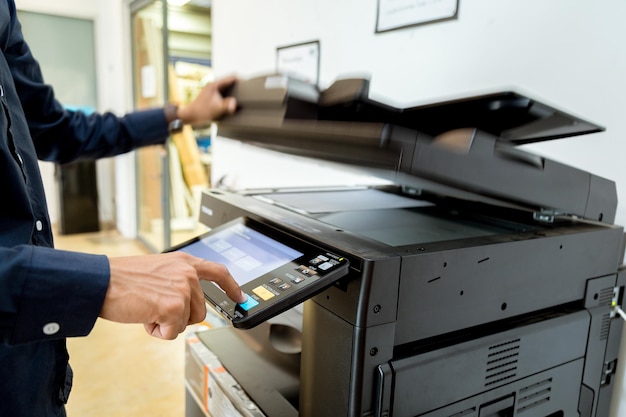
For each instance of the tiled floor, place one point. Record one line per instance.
(118, 369)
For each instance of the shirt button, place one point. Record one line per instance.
(39, 225)
(51, 328)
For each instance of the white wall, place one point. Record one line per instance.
(115, 94)
(568, 53)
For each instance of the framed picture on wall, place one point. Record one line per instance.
(397, 14)
(300, 61)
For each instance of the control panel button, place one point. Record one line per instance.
(263, 292)
(326, 266)
(305, 271)
(250, 303)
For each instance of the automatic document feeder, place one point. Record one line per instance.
(480, 284)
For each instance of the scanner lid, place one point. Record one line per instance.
(509, 115)
(464, 148)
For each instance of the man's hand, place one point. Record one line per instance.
(163, 291)
(210, 104)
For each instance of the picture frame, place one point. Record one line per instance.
(399, 14)
(301, 60)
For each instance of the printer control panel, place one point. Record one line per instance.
(275, 270)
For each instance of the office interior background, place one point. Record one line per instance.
(567, 53)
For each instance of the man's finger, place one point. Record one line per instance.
(218, 273)
(225, 83)
(197, 311)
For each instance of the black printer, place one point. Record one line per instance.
(482, 279)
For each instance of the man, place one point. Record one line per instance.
(47, 295)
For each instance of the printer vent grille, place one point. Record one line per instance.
(606, 296)
(502, 362)
(534, 395)
(606, 327)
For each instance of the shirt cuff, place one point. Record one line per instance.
(62, 295)
(148, 127)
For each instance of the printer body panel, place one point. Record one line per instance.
(399, 303)
(492, 282)
(436, 379)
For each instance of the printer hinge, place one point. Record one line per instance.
(548, 215)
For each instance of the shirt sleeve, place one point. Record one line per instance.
(74, 135)
(49, 294)
(61, 135)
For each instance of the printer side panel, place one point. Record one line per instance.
(614, 336)
(455, 289)
(325, 364)
(598, 365)
(341, 353)
(337, 370)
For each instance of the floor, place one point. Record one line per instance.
(118, 369)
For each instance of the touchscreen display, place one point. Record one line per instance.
(275, 271)
(246, 253)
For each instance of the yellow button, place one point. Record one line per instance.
(263, 292)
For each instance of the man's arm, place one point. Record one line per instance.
(49, 294)
(163, 291)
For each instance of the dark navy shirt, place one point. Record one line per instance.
(46, 295)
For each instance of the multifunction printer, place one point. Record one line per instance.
(483, 278)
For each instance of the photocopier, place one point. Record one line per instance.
(483, 278)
